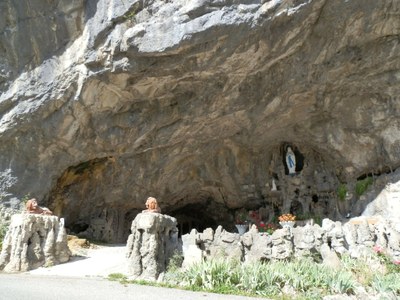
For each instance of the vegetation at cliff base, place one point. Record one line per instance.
(295, 279)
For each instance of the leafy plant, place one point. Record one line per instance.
(175, 262)
(387, 283)
(268, 279)
(362, 185)
(268, 228)
(342, 191)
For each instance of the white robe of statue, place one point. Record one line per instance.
(291, 161)
(273, 185)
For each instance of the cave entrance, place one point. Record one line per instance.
(81, 196)
(96, 204)
(193, 216)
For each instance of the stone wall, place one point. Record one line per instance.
(357, 238)
(33, 241)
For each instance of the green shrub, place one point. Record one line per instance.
(342, 191)
(175, 262)
(362, 185)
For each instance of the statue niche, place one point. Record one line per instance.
(290, 161)
(293, 160)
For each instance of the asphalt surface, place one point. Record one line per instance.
(26, 286)
(85, 277)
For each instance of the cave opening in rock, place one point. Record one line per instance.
(81, 196)
(193, 216)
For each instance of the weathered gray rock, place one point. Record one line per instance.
(33, 241)
(356, 238)
(153, 241)
(104, 102)
(308, 240)
(329, 257)
(387, 203)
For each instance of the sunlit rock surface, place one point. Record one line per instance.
(104, 103)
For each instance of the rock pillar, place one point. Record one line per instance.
(153, 241)
(33, 241)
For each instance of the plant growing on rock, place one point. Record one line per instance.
(362, 185)
(342, 191)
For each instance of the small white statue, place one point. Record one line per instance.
(273, 185)
(290, 160)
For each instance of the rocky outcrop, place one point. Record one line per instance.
(33, 241)
(356, 238)
(104, 103)
(154, 240)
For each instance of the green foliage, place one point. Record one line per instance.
(307, 278)
(360, 269)
(175, 262)
(386, 283)
(342, 191)
(118, 277)
(362, 185)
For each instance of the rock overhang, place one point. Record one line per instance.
(205, 107)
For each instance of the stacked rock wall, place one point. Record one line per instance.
(33, 241)
(356, 238)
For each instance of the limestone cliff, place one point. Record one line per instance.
(104, 103)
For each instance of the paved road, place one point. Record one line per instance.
(25, 286)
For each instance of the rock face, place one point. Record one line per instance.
(153, 241)
(357, 238)
(33, 241)
(104, 103)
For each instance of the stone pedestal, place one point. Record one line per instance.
(153, 241)
(33, 241)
